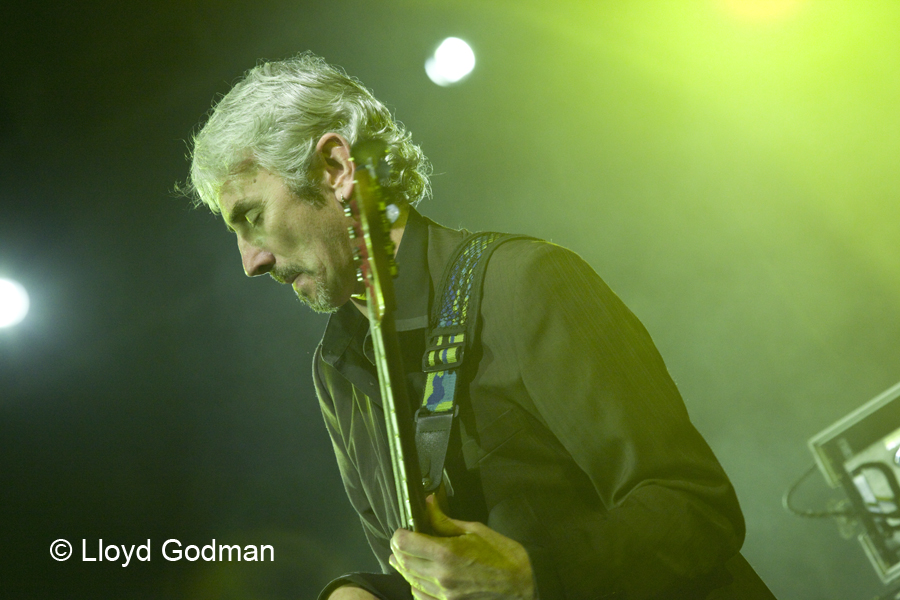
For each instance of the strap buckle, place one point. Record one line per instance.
(444, 351)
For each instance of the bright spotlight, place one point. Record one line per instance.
(452, 61)
(13, 303)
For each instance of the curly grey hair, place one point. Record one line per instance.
(273, 118)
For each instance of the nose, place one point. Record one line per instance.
(256, 260)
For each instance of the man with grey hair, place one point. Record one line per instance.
(575, 470)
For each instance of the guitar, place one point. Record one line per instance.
(372, 211)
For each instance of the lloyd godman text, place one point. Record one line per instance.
(173, 550)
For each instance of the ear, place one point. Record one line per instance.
(337, 168)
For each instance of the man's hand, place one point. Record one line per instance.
(351, 592)
(466, 561)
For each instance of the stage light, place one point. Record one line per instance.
(13, 303)
(452, 61)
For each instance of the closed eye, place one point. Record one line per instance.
(244, 210)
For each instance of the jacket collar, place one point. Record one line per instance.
(412, 288)
(424, 252)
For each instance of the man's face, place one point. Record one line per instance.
(291, 239)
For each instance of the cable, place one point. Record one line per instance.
(805, 512)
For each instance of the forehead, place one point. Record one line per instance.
(248, 186)
(239, 184)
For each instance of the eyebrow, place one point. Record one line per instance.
(238, 210)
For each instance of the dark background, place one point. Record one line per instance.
(728, 167)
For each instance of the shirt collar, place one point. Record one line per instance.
(412, 288)
(413, 284)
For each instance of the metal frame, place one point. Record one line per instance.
(861, 454)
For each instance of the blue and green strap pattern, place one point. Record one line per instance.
(446, 344)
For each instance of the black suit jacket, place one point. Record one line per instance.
(573, 438)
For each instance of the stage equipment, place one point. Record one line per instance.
(861, 454)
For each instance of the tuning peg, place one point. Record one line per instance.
(392, 212)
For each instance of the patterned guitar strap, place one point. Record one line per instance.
(452, 329)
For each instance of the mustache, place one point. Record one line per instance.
(286, 275)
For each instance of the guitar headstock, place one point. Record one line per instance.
(372, 213)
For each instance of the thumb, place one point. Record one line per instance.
(442, 524)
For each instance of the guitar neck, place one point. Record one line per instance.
(376, 271)
(399, 423)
